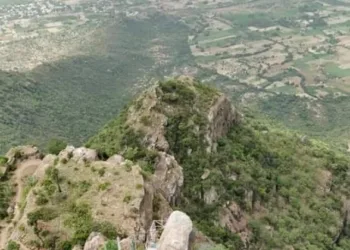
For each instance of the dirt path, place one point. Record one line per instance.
(216, 39)
(24, 169)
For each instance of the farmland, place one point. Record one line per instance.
(272, 51)
(289, 60)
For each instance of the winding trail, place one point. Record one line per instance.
(24, 169)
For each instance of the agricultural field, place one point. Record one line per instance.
(280, 50)
(289, 60)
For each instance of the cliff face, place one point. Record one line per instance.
(165, 124)
(221, 117)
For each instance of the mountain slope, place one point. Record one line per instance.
(257, 186)
(182, 145)
(73, 97)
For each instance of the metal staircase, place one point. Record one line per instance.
(154, 234)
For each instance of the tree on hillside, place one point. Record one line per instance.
(56, 178)
(55, 146)
(54, 175)
(12, 245)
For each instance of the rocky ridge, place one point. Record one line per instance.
(114, 190)
(180, 145)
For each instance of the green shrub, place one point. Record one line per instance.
(55, 146)
(107, 229)
(5, 198)
(101, 172)
(145, 120)
(41, 199)
(84, 186)
(12, 245)
(111, 245)
(80, 220)
(64, 161)
(44, 214)
(127, 198)
(3, 160)
(64, 245)
(104, 186)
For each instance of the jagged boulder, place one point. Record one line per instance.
(168, 177)
(231, 217)
(177, 232)
(95, 241)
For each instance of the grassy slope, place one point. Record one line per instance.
(72, 98)
(278, 167)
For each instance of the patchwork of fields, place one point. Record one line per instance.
(301, 50)
(289, 60)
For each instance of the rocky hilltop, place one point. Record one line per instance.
(245, 183)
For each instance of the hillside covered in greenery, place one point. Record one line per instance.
(71, 98)
(291, 191)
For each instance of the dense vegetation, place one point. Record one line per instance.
(70, 99)
(331, 124)
(298, 186)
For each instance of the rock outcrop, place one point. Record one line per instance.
(210, 196)
(222, 115)
(95, 241)
(20, 153)
(112, 190)
(80, 155)
(177, 232)
(147, 119)
(168, 177)
(231, 217)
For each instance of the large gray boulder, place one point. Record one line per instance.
(95, 241)
(177, 232)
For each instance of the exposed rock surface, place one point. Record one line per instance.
(232, 218)
(79, 155)
(168, 177)
(23, 153)
(116, 159)
(154, 131)
(177, 232)
(95, 241)
(221, 117)
(126, 244)
(210, 196)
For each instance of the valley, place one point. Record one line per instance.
(288, 61)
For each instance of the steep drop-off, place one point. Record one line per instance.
(245, 183)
